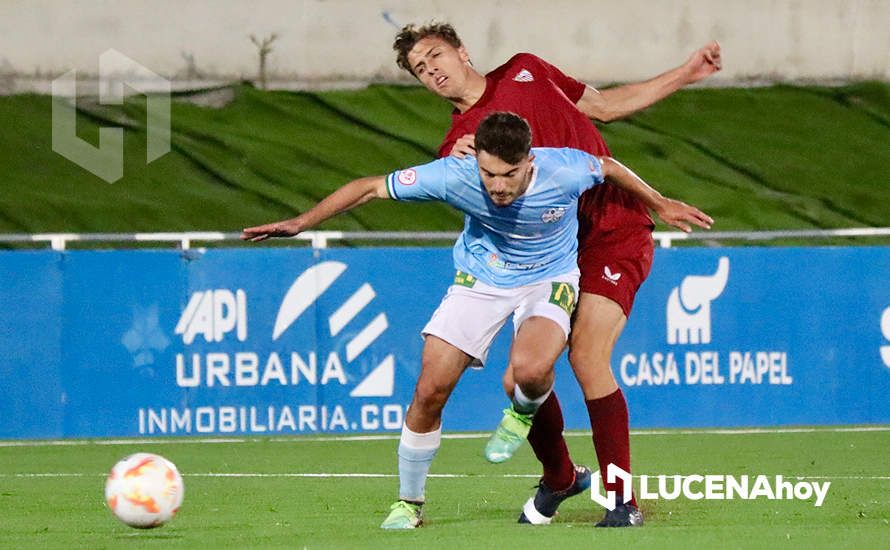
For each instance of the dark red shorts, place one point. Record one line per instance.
(615, 263)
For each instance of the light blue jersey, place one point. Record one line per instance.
(532, 239)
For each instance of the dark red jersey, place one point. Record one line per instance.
(546, 97)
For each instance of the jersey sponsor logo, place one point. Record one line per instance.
(496, 262)
(563, 295)
(553, 215)
(689, 306)
(611, 277)
(407, 177)
(524, 76)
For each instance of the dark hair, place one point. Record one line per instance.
(411, 35)
(504, 135)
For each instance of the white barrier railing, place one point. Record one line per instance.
(321, 239)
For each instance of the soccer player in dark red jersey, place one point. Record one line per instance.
(615, 243)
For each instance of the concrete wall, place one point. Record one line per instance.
(597, 40)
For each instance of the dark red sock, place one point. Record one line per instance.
(549, 445)
(610, 424)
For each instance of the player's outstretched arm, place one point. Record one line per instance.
(622, 101)
(346, 198)
(672, 212)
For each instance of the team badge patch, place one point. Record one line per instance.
(524, 76)
(464, 279)
(407, 177)
(563, 295)
(553, 215)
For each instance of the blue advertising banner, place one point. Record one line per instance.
(295, 341)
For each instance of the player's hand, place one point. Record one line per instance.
(704, 62)
(263, 232)
(464, 146)
(680, 215)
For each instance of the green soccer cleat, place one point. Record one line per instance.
(509, 435)
(403, 515)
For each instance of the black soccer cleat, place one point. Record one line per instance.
(624, 515)
(540, 509)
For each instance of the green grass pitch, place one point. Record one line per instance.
(253, 493)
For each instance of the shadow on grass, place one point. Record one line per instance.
(142, 535)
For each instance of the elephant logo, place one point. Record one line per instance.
(689, 306)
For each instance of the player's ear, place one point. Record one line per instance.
(464, 55)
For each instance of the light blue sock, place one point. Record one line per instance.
(416, 452)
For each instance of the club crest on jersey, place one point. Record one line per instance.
(524, 76)
(553, 215)
(407, 177)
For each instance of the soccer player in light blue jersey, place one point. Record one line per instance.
(515, 236)
(516, 255)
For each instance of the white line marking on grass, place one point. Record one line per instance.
(748, 431)
(581, 433)
(395, 436)
(50, 475)
(380, 437)
(326, 475)
(323, 475)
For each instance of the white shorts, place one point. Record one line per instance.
(472, 313)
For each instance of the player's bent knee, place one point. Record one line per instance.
(430, 397)
(529, 372)
(537, 377)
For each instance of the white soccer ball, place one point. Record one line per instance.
(144, 490)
